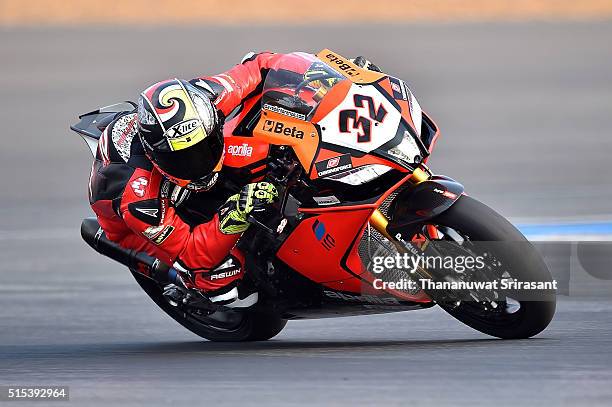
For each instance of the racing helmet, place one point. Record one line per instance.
(181, 133)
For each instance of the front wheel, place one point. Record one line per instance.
(511, 315)
(230, 326)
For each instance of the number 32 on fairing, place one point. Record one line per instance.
(364, 121)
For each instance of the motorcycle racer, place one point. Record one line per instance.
(348, 149)
(149, 162)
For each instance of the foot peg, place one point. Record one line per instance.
(179, 295)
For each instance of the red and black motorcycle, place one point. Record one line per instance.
(348, 148)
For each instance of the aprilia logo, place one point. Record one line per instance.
(243, 150)
(280, 128)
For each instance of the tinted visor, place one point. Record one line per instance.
(194, 162)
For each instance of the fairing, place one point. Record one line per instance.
(339, 117)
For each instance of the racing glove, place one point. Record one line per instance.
(253, 197)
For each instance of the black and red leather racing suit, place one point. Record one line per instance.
(140, 209)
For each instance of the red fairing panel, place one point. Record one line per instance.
(326, 238)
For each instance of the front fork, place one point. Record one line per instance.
(379, 221)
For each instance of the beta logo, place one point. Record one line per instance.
(342, 65)
(139, 186)
(272, 126)
(327, 241)
(243, 150)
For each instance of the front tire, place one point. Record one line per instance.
(482, 223)
(234, 326)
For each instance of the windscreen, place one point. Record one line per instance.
(297, 89)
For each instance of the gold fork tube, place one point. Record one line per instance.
(379, 222)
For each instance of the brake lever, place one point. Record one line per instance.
(254, 221)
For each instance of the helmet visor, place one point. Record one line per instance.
(194, 162)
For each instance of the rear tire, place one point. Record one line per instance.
(251, 325)
(482, 223)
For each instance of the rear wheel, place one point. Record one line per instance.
(511, 315)
(230, 326)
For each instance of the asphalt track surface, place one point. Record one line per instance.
(525, 114)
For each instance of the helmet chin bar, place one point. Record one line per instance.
(203, 184)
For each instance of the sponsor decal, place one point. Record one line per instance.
(161, 237)
(415, 109)
(446, 193)
(320, 232)
(183, 128)
(225, 274)
(342, 65)
(334, 165)
(163, 205)
(123, 132)
(185, 134)
(152, 231)
(449, 195)
(228, 269)
(178, 195)
(139, 186)
(285, 112)
(281, 226)
(372, 299)
(165, 188)
(149, 212)
(399, 89)
(333, 162)
(272, 126)
(243, 150)
(326, 200)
